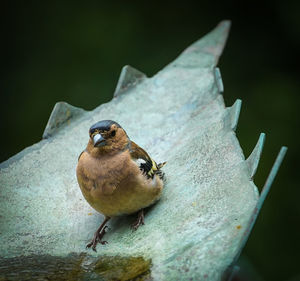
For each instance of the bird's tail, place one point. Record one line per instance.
(159, 172)
(160, 165)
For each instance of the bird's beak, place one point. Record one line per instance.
(98, 140)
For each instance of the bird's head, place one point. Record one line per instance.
(107, 136)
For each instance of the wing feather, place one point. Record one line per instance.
(146, 164)
(81, 154)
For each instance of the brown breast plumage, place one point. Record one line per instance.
(114, 185)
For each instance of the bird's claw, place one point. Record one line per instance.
(138, 222)
(136, 225)
(93, 244)
(97, 239)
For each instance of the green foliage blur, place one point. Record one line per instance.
(73, 51)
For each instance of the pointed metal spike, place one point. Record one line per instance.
(253, 159)
(261, 199)
(206, 51)
(61, 114)
(129, 77)
(234, 113)
(219, 81)
(271, 177)
(234, 272)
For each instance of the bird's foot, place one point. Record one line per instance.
(97, 239)
(139, 221)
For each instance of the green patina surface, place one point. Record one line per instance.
(194, 232)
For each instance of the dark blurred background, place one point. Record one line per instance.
(74, 52)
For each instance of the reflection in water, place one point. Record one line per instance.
(75, 267)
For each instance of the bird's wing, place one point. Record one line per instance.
(81, 154)
(146, 164)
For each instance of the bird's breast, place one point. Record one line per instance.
(115, 185)
(104, 169)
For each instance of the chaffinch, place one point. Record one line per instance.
(116, 176)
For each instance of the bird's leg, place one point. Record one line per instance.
(99, 235)
(139, 221)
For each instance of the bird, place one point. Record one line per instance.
(116, 176)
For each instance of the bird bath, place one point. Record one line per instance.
(208, 207)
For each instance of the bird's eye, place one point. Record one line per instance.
(113, 133)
